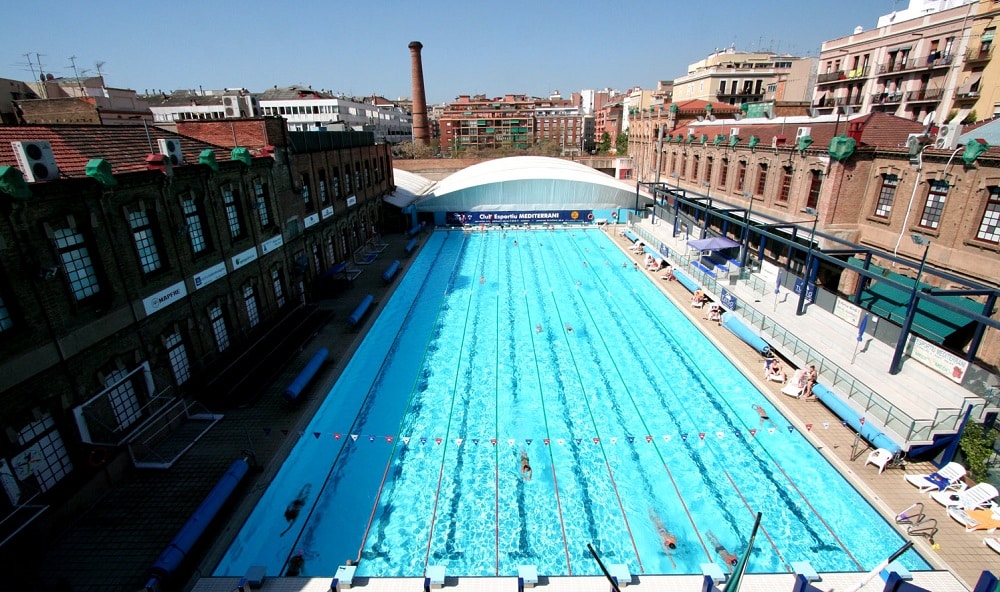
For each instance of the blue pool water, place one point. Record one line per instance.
(635, 426)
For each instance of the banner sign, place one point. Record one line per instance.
(209, 275)
(847, 311)
(810, 290)
(164, 298)
(728, 299)
(941, 361)
(474, 218)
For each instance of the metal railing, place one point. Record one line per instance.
(925, 94)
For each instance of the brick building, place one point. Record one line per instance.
(131, 279)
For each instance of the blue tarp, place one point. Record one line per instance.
(847, 413)
(736, 326)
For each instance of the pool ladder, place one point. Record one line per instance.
(917, 523)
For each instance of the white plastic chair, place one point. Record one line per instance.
(879, 457)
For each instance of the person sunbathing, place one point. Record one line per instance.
(775, 372)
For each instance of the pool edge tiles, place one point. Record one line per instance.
(594, 448)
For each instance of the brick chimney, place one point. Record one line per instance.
(420, 131)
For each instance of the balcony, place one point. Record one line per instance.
(887, 98)
(924, 95)
(830, 77)
(742, 97)
(925, 63)
(979, 55)
(970, 96)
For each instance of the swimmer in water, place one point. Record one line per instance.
(482, 279)
(763, 415)
(294, 507)
(525, 466)
(538, 328)
(569, 327)
(727, 557)
(296, 564)
(668, 540)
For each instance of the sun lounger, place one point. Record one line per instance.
(987, 519)
(973, 498)
(992, 543)
(795, 386)
(948, 478)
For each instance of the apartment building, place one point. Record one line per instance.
(306, 109)
(978, 90)
(735, 77)
(477, 123)
(910, 65)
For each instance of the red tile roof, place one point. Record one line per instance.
(125, 147)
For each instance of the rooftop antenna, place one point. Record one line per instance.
(72, 61)
(31, 65)
(100, 65)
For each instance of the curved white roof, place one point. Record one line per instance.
(409, 187)
(526, 183)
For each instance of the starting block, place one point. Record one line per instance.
(528, 574)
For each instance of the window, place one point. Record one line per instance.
(709, 166)
(193, 217)
(232, 212)
(888, 192)
(218, 321)
(935, 204)
(317, 261)
(144, 239)
(324, 198)
(43, 455)
(250, 300)
(279, 287)
(357, 176)
(786, 184)
(724, 173)
(77, 263)
(335, 181)
(260, 191)
(347, 180)
(121, 396)
(695, 166)
(741, 175)
(180, 365)
(815, 184)
(989, 228)
(368, 182)
(761, 178)
(683, 167)
(304, 182)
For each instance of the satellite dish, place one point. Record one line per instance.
(929, 119)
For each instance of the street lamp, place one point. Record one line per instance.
(704, 222)
(801, 308)
(911, 307)
(745, 251)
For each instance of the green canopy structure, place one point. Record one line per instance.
(13, 184)
(842, 147)
(932, 321)
(754, 140)
(803, 143)
(242, 155)
(207, 158)
(100, 169)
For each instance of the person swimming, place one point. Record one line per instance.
(294, 507)
(668, 540)
(538, 328)
(525, 466)
(727, 557)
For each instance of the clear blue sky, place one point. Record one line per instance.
(360, 48)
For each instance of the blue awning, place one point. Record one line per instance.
(715, 243)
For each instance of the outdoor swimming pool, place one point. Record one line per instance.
(547, 343)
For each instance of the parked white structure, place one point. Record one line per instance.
(306, 109)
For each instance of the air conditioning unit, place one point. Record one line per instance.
(36, 161)
(171, 147)
(802, 131)
(690, 131)
(947, 136)
(734, 131)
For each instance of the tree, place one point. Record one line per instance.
(604, 146)
(410, 150)
(621, 143)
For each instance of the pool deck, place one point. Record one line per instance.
(111, 546)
